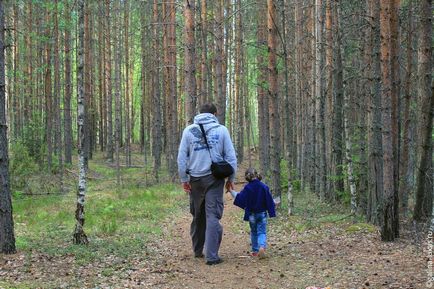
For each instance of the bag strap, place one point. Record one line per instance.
(206, 140)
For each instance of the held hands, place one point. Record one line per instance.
(187, 187)
(229, 186)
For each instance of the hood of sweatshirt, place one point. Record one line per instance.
(205, 118)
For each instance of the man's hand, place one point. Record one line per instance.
(229, 186)
(187, 187)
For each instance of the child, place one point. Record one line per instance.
(256, 200)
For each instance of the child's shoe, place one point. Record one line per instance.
(254, 254)
(261, 253)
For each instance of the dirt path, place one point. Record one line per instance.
(238, 270)
(336, 259)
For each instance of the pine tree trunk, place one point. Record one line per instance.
(87, 86)
(219, 97)
(28, 96)
(329, 99)
(144, 78)
(79, 236)
(117, 49)
(172, 97)
(156, 104)
(320, 171)
(127, 85)
(405, 154)
(362, 100)
(238, 97)
(190, 65)
(287, 114)
(226, 42)
(7, 237)
(108, 81)
(205, 93)
(387, 232)
(68, 87)
(338, 140)
(18, 126)
(274, 100)
(424, 181)
(298, 88)
(48, 95)
(57, 96)
(375, 151)
(395, 93)
(101, 83)
(263, 116)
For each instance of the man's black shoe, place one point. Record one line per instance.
(215, 262)
(200, 255)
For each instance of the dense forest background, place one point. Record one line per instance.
(334, 96)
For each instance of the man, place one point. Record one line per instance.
(206, 191)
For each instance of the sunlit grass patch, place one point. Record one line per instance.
(118, 220)
(361, 227)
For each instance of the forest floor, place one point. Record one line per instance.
(319, 246)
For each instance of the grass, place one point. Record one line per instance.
(118, 221)
(309, 212)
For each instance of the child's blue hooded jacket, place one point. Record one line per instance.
(255, 198)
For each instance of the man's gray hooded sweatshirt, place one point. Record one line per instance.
(193, 155)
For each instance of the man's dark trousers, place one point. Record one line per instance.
(206, 206)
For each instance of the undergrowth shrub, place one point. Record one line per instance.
(21, 167)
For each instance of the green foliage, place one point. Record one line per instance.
(284, 172)
(22, 166)
(33, 139)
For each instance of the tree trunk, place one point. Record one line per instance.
(320, 171)
(375, 151)
(48, 95)
(172, 97)
(18, 126)
(127, 85)
(219, 97)
(424, 181)
(101, 82)
(387, 229)
(190, 65)
(68, 87)
(156, 104)
(79, 235)
(274, 100)
(238, 96)
(349, 160)
(395, 92)
(144, 83)
(263, 116)
(298, 12)
(57, 103)
(28, 96)
(287, 115)
(205, 93)
(117, 49)
(108, 81)
(338, 143)
(329, 99)
(7, 237)
(87, 85)
(405, 154)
